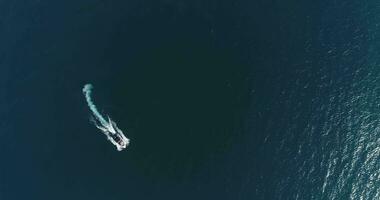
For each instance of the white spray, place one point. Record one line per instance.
(108, 127)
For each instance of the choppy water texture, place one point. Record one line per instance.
(325, 144)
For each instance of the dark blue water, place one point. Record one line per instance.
(220, 99)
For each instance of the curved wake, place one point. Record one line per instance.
(108, 127)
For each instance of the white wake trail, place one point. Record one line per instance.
(109, 128)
